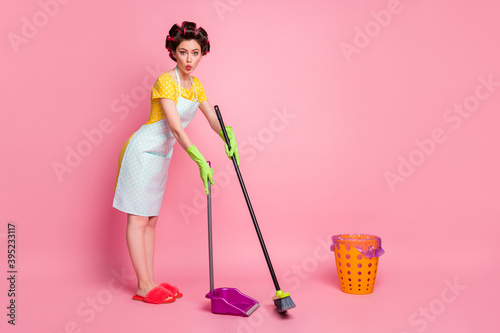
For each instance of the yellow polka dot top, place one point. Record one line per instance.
(166, 87)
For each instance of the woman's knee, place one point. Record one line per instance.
(137, 221)
(152, 221)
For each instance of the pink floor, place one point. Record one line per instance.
(419, 296)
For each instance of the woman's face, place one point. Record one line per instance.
(188, 55)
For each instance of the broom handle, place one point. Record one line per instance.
(249, 204)
(210, 245)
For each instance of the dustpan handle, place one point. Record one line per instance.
(210, 246)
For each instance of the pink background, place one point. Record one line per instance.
(347, 120)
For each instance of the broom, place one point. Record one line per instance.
(282, 300)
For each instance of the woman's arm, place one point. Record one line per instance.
(174, 122)
(209, 113)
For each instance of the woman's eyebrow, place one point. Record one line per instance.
(196, 49)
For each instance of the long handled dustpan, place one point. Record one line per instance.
(225, 300)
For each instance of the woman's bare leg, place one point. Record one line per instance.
(150, 247)
(136, 229)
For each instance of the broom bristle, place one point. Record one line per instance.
(284, 304)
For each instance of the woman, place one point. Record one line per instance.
(145, 157)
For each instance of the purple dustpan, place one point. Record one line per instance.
(231, 301)
(225, 300)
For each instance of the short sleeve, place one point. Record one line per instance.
(164, 87)
(200, 91)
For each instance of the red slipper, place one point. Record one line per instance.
(173, 289)
(157, 295)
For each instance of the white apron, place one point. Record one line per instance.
(144, 167)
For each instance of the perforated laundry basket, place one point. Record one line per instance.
(356, 258)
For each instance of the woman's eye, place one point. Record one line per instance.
(195, 53)
(183, 53)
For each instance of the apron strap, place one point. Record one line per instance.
(179, 83)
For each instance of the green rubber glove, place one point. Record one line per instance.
(206, 172)
(232, 143)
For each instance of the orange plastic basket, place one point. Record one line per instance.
(356, 258)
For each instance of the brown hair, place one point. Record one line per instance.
(186, 31)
